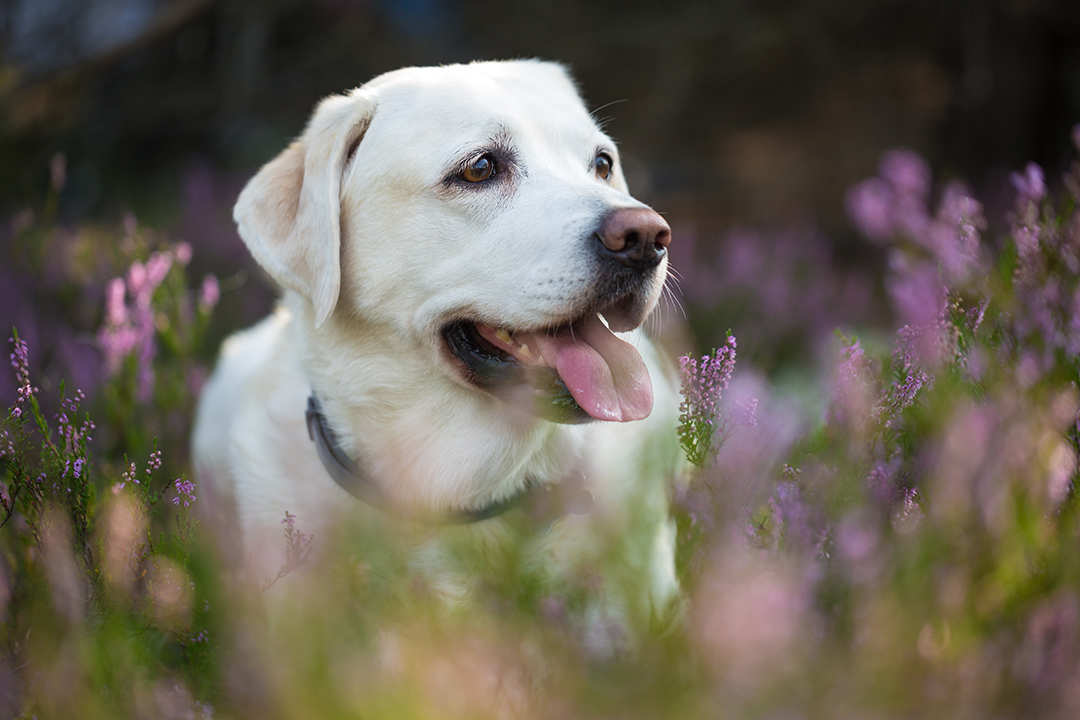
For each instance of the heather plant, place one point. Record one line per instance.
(297, 551)
(915, 542)
(898, 540)
(102, 605)
(702, 426)
(55, 472)
(153, 328)
(945, 461)
(91, 566)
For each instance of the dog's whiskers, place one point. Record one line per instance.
(672, 290)
(604, 121)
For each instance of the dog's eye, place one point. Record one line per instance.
(603, 165)
(479, 169)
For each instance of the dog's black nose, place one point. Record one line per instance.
(636, 237)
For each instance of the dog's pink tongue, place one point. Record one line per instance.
(606, 375)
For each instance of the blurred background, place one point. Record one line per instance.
(743, 122)
(892, 536)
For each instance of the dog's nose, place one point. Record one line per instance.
(636, 237)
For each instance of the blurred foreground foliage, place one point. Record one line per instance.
(905, 549)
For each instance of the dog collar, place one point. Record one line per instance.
(545, 505)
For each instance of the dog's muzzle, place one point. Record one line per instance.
(578, 370)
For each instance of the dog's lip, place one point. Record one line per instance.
(492, 370)
(491, 350)
(515, 345)
(606, 375)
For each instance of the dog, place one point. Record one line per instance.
(458, 345)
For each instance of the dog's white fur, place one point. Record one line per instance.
(376, 252)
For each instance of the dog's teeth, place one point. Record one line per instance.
(503, 335)
(524, 350)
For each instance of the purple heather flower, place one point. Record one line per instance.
(69, 410)
(1030, 187)
(157, 267)
(115, 309)
(853, 393)
(1027, 246)
(955, 234)
(703, 383)
(746, 413)
(869, 204)
(154, 462)
(976, 315)
(853, 368)
(20, 362)
(129, 329)
(906, 172)
(131, 475)
(908, 514)
(793, 516)
(183, 253)
(209, 293)
(1046, 318)
(915, 290)
(136, 278)
(880, 482)
(892, 210)
(297, 543)
(185, 492)
(907, 358)
(908, 175)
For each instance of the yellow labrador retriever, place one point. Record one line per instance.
(464, 276)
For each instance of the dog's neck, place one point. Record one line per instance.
(423, 439)
(544, 505)
(356, 481)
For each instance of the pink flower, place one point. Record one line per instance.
(703, 383)
(1029, 185)
(116, 310)
(209, 293)
(907, 173)
(136, 278)
(870, 206)
(157, 267)
(183, 254)
(915, 290)
(185, 493)
(20, 362)
(128, 329)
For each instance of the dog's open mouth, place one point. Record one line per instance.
(573, 372)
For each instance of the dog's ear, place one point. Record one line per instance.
(289, 214)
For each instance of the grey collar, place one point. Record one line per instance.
(544, 505)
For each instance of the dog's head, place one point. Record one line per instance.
(479, 210)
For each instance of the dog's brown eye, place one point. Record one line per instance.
(603, 165)
(479, 169)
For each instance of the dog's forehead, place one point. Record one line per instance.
(455, 105)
